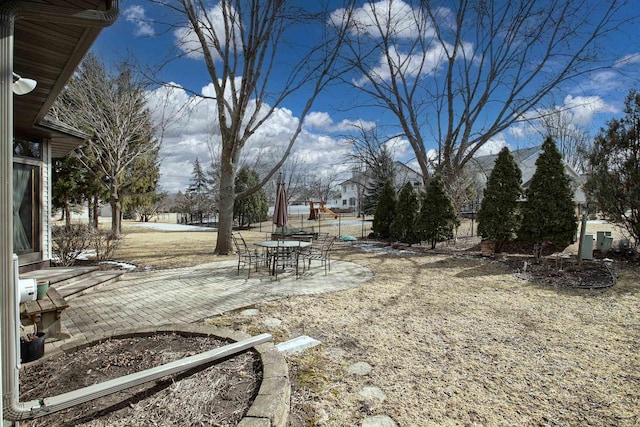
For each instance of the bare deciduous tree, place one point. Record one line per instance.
(459, 75)
(112, 109)
(240, 42)
(571, 140)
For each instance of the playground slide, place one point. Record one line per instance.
(329, 211)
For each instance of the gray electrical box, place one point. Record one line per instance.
(586, 251)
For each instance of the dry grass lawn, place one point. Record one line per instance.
(453, 340)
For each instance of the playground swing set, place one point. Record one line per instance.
(314, 213)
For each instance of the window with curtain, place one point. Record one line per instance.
(26, 208)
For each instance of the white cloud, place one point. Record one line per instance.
(630, 59)
(407, 65)
(493, 146)
(322, 121)
(318, 120)
(399, 148)
(192, 133)
(136, 14)
(601, 82)
(396, 17)
(583, 108)
(581, 111)
(212, 23)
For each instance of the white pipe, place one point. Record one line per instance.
(48, 405)
(7, 290)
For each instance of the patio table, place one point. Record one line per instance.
(288, 246)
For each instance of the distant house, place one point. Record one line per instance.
(479, 168)
(353, 189)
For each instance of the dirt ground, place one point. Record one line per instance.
(213, 395)
(452, 338)
(457, 340)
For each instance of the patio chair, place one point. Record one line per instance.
(322, 253)
(245, 255)
(285, 257)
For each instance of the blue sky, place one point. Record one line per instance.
(595, 98)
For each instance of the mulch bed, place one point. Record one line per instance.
(554, 268)
(216, 394)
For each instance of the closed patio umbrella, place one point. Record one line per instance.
(280, 208)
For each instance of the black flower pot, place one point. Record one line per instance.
(33, 349)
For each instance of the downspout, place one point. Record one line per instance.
(9, 12)
(7, 292)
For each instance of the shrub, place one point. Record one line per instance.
(385, 211)
(105, 243)
(403, 226)
(437, 218)
(548, 215)
(498, 214)
(69, 242)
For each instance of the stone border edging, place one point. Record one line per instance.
(272, 404)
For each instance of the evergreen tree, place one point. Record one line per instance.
(403, 226)
(253, 208)
(141, 197)
(614, 163)
(198, 181)
(498, 215)
(67, 174)
(549, 213)
(385, 211)
(380, 171)
(198, 193)
(437, 218)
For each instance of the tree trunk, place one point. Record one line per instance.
(66, 213)
(96, 205)
(227, 198)
(90, 211)
(114, 201)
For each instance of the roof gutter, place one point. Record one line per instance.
(37, 11)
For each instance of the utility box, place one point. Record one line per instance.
(607, 242)
(27, 289)
(600, 238)
(586, 251)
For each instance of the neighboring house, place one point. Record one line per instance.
(479, 168)
(42, 40)
(352, 190)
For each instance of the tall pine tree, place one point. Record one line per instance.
(498, 215)
(198, 195)
(437, 218)
(548, 215)
(253, 208)
(403, 226)
(385, 211)
(67, 173)
(381, 170)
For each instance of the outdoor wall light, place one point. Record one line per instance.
(22, 86)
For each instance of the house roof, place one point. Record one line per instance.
(525, 158)
(485, 164)
(50, 39)
(362, 177)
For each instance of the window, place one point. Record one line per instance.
(344, 202)
(30, 149)
(352, 201)
(26, 208)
